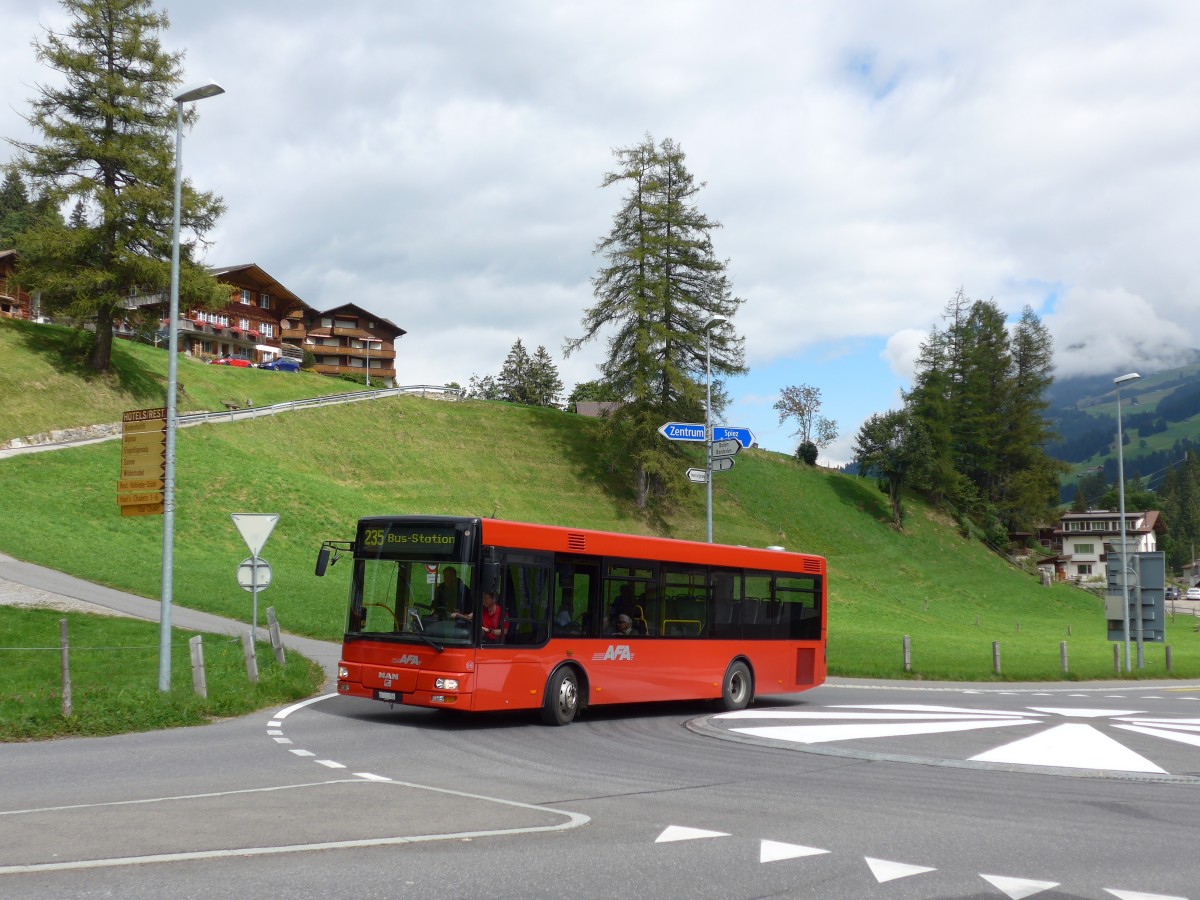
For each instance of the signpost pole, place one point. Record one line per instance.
(254, 594)
(708, 435)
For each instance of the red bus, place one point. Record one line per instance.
(481, 614)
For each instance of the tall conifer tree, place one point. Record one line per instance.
(661, 282)
(107, 147)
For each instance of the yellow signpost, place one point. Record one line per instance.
(143, 462)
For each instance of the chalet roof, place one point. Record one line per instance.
(253, 276)
(1152, 519)
(8, 254)
(366, 313)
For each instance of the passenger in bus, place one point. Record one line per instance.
(450, 598)
(622, 604)
(624, 625)
(492, 620)
(565, 615)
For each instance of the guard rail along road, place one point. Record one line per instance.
(95, 434)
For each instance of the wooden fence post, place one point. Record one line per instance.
(1117, 658)
(996, 656)
(276, 640)
(251, 660)
(65, 652)
(199, 684)
(1168, 659)
(907, 653)
(1062, 653)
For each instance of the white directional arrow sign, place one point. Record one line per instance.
(697, 476)
(722, 463)
(725, 448)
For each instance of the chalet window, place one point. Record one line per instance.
(1083, 569)
(267, 330)
(345, 323)
(326, 322)
(1085, 548)
(247, 297)
(244, 324)
(264, 300)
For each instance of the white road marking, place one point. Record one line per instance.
(1072, 746)
(1139, 895)
(1192, 739)
(680, 833)
(302, 752)
(821, 734)
(1016, 888)
(874, 716)
(773, 851)
(573, 820)
(271, 731)
(1076, 713)
(369, 777)
(274, 724)
(886, 870)
(284, 713)
(282, 740)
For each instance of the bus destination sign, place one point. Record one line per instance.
(407, 540)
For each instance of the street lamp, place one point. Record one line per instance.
(1124, 379)
(708, 435)
(198, 92)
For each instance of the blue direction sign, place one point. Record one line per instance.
(743, 436)
(683, 431)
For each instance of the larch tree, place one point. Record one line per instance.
(107, 129)
(660, 284)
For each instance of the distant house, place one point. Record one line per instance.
(350, 340)
(597, 408)
(1081, 538)
(14, 302)
(264, 320)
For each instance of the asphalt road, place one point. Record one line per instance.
(860, 790)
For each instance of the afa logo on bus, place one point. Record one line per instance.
(614, 651)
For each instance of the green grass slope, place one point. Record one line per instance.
(321, 469)
(45, 386)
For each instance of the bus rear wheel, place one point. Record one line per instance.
(562, 697)
(737, 688)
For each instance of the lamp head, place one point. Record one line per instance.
(714, 322)
(198, 92)
(1126, 379)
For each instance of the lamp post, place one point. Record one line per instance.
(198, 92)
(708, 435)
(368, 343)
(1124, 379)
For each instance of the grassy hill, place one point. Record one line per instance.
(321, 469)
(44, 384)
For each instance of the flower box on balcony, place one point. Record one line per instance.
(234, 330)
(254, 334)
(199, 323)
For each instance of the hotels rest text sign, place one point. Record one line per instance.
(143, 462)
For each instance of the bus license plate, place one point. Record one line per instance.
(385, 695)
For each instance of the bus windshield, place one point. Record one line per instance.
(421, 598)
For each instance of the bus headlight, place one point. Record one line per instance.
(446, 684)
(343, 673)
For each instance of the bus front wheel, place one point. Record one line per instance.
(737, 688)
(562, 697)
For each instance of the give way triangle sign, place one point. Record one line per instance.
(254, 528)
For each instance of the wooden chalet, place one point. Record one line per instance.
(350, 340)
(14, 302)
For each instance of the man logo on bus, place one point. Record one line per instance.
(614, 651)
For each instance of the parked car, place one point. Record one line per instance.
(1193, 593)
(281, 364)
(1172, 593)
(230, 361)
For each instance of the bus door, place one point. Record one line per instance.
(510, 667)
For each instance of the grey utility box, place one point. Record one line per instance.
(1147, 594)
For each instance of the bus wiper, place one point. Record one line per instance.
(430, 641)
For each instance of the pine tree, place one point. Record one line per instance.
(545, 387)
(513, 379)
(15, 209)
(108, 129)
(660, 284)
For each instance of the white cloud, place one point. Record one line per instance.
(440, 165)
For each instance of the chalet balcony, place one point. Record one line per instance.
(325, 369)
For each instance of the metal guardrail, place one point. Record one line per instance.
(253, 412)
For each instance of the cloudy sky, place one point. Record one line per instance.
(440, 163)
